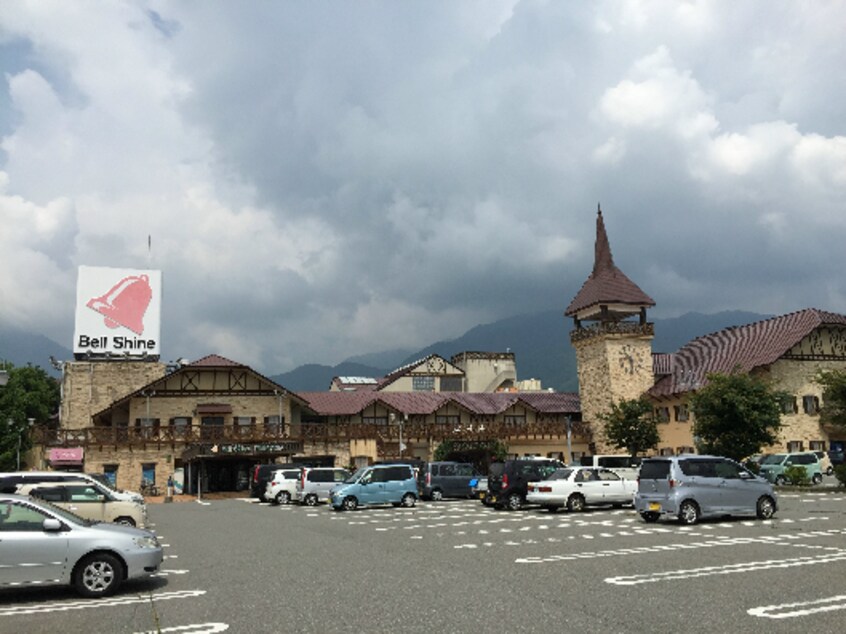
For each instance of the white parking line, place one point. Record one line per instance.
(97, 603)
(197, 628)
(800, 608)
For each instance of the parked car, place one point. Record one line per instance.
(624, 465)
(825, 462)
(774, 466)
(837, 457)
(508, 481)
(282, 486)
(315, 484)
(438, 480)
(378, 484)
(690, 487)
(578, 487)
(9, 482)
(42, 544)
(89, 500)
(479, 488)
(262, 473)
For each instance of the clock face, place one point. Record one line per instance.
(436, 364)
(631, 359)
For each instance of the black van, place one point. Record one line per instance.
(508, 482)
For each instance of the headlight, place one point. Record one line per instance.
(146, 542)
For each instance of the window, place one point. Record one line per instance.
(789, 405)
(662, 414)
(666, 451)
(795, 445)
(179, 426)
(274, 424)
(423, 383)
(811, 404)
(360, 461)
(242, 425)
(685, 449)
(447, 470)
(681, 412)
(816, 445)
(727, 469)
(211, 427)
(148, 427)
(452, 420)
(20, 517)
(49, 495)
(375, 420)
(514, 419)
(604, 474)
(148, 473)
(110, 471)
(83, 494)
(451, 384)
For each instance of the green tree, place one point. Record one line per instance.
(833, 410)
(30, 393)
(736, 415)
(631, 425)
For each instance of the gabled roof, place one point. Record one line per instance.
(606, 284)
(424, 403)
(216, 361)
(746, 348)
(408, 368)
(354, 383)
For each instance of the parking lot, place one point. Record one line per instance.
(239, 566)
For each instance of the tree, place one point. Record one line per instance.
(833, 410)
(736, 415)
(30, 393)
(631, 425)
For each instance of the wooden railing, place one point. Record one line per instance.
(304, 432)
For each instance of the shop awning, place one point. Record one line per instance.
(66, 456)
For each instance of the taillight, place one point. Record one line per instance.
(545, 489)
(255, 473)
(428, 479)
(273, 483)
(504, 480)
(302, 479)
(672, 483)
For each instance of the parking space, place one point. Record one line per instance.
(458, 566)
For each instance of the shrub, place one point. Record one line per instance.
(840, 474)
(797, 476)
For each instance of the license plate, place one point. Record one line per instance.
(654, 506)
(492, 499)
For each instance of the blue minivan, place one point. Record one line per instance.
(378, 484)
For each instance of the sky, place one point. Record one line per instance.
(322, 179)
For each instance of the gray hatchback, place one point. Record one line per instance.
(691, 487)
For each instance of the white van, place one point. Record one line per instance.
(10, 481)
(623, 465)
(91, 501)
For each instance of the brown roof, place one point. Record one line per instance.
(406, 369)
(216, 361)
(353, 403)
(742, 347)
(606, 284)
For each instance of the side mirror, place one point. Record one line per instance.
(789, 463)
(51, 525)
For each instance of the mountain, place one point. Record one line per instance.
(22, 348)
(540, 342)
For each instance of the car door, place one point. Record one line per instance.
(739, 489)
(372, 487)
(88, 502)
(28, 553)
(589, 486)
(703, 484)
(613, 489)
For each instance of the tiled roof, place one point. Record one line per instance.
(743, 347)
(404, 370)
(353, 403)
(216, 361)
(606, 284)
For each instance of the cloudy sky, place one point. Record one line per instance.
(323, 179)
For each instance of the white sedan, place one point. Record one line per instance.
(578, 487)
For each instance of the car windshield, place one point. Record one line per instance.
(560, 474)
(355, 476)
(776, 458)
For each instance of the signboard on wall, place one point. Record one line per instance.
(117, 312)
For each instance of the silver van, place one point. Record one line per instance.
(315, 484)
(690, 487)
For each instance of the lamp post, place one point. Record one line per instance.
(569, 440)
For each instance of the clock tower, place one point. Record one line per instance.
(612, 338)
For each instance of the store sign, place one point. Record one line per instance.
(271, 447)
(117, 312)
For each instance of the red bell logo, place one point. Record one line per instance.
(125, 304)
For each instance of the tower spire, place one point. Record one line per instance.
(602, 258)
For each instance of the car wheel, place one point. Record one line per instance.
(350, 504)
(514, 502)
(688, 513)
(765, 508)
(283, 497)
(817, 478)
(780, 481)
(437, 495)
(98, 575)
(126, 521)
(650, 517)
(408, 500)
(310, 500)
(829, 471)
(575, 503)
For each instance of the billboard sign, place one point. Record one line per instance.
(117, 312)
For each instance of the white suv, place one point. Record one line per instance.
(282, 486)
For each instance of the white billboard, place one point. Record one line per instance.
(118, 312)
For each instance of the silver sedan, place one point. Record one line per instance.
(43, 544)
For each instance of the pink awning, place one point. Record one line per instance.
(66, 456)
